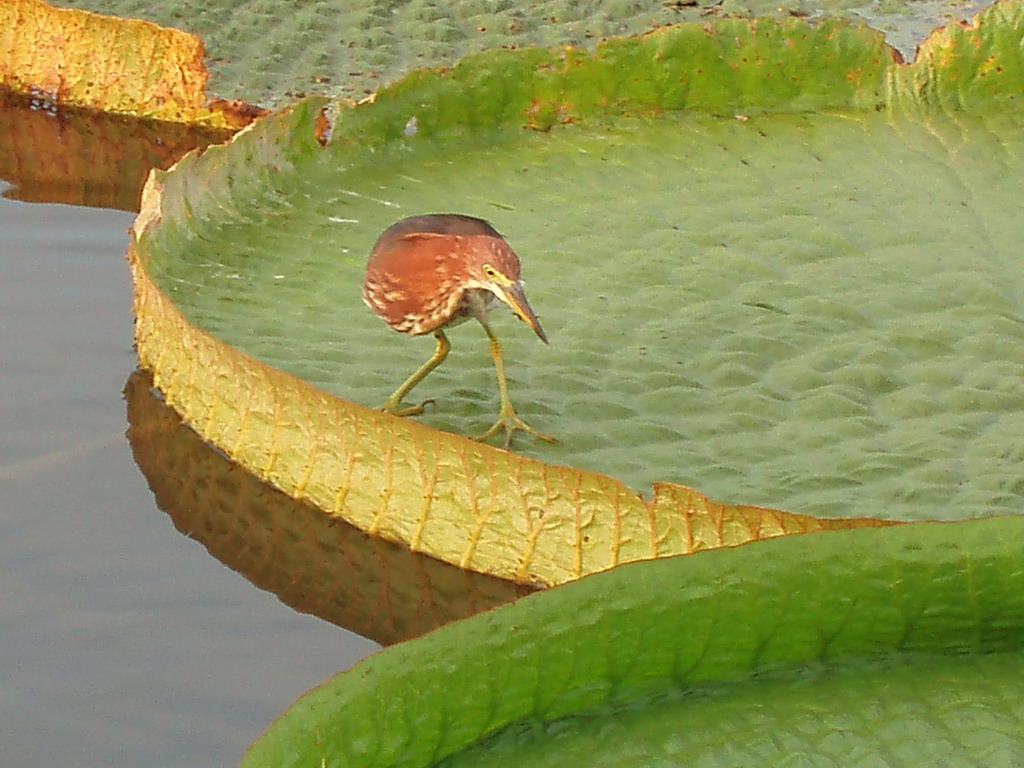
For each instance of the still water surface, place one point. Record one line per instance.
(122, 643)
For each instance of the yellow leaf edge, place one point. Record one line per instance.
(79, 59)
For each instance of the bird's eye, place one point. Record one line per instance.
(490, 271)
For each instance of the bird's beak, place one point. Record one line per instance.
(512, 294)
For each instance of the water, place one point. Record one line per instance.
(123, 643)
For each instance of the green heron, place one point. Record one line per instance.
(426, 273)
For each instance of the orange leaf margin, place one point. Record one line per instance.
(72, 58)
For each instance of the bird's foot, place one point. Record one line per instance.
(395, 408)
(511, 423)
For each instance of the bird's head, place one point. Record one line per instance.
(496, 269)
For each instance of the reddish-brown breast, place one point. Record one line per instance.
(420, 268)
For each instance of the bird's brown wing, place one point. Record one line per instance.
(413, 284)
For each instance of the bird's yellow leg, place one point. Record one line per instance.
(507, 418)
(394, 403)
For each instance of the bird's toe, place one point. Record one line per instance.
(397, 409)
(509, 422)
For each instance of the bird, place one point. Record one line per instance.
(430, 272)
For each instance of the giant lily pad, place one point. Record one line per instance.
(774, 263)
(894, 647)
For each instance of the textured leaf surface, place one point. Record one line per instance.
(272, 52)
(896, 647)
(906, 712)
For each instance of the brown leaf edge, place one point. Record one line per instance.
(313, 562)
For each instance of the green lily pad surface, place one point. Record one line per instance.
(898, 647)
(272, 51)
(903, 711)
(815, 311)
